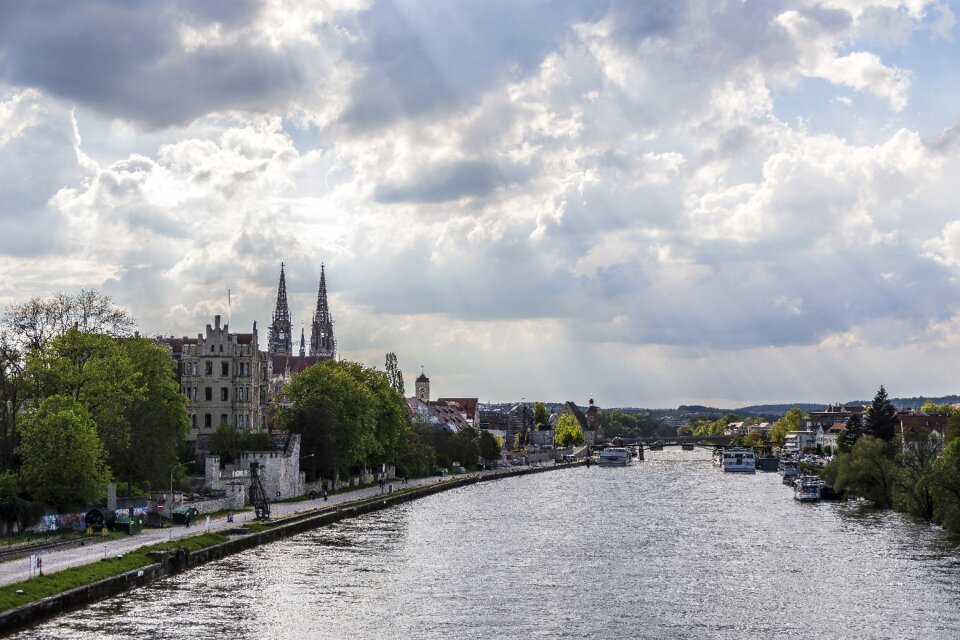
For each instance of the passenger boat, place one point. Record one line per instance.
(790, 470)
(738, 460)
(614, 457)
(807, 488)
(656, 446)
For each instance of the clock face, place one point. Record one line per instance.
(280, 335)
(423, 391)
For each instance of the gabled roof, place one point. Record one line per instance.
(467, 405)
(297, 364)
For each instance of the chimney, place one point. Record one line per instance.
(216, 322)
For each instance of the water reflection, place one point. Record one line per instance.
(667, 548)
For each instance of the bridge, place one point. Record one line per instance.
(669, 441)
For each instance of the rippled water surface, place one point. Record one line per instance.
(667, 548)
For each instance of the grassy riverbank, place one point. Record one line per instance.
(43, 586)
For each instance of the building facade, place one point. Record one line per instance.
(224, 376)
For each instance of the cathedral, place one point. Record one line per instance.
(280, 341)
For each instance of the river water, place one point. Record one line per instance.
(666, 548)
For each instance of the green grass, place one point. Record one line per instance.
(30, 537)
(37, 588)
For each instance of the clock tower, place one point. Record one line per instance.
(423, 388)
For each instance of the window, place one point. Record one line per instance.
(221, 348)
(208, 393)
(193, 393)
(208, 368)
(207, 420)
(223, 418)
(224, 394)
(193, 421)
(224, 369)
(193, 368)
(241, 421)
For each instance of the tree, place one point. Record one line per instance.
(540, 417)
(791, 421)
(851, 434)
(489, 446)
(156, 414)
(881, 419)
(866, 472)
(753, 439)
(915, 489)
(96, 372)
(13, 393)
(39, 320)
(394, 375)
(63, 459)
(568, 431)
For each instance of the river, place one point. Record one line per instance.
(666, 548)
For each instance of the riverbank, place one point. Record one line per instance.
(175, 557)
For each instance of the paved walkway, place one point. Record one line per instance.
(53, 561)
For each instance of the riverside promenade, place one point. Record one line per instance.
(17, 570)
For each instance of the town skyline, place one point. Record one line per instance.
(652, 204)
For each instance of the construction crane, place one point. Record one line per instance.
(258, 496)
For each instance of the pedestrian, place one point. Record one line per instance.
(40, 564)
(188, 521)
(324, 495)
(229, 515)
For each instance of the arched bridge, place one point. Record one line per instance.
(669, 441)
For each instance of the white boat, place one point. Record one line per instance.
(718, 457)
(615, 457)
(738, 460)
(807, 488)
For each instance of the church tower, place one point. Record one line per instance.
(279, 340)
(322, 343)
(303, 343)
(423, 387)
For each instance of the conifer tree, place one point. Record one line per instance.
(853, 432)
(881, 417)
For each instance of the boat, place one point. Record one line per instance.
(687, 446)
(718, 457)
(807, 489)
(790, 470)
(738, 460)
(614, 457)
(656, 446)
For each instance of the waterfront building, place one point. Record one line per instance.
(797, 441)
(224, 376)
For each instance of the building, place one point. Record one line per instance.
(224, 376)
(469, 408)
(797, 441)
(279, 471)
(284, 361)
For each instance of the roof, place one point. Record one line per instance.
(468, 405)
(423, 378)
(176, 344)
(297, 364)
(244, 338)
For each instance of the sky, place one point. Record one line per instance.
(648, 203)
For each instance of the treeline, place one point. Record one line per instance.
(353, 418)
(630, 424)
(917, 473)
(83, 401)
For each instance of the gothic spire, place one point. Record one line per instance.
(279, 340)
(321, 333)
(303, 343)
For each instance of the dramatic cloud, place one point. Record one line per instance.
(651, 202)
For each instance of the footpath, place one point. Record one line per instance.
(18, 570)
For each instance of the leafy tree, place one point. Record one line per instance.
(540, 417)
(227, 442)
(394, 374)
(489, 446)
(915, 489)
(39, 320)
(881, 417)
(156, 414)
(753, 439)
(568, 431)
(947, 486)
(791, 421)
(866, 472)
(63, 459)
(13, 394)
(96, 372)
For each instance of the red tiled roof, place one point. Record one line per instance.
(297, 364)
(467, 405)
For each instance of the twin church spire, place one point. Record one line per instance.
(322, 342)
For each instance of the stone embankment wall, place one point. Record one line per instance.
(172, 562)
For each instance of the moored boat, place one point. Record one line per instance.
(614, 457)
(807, 488)
(738, 460)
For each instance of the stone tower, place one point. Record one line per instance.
(322, 343)
(279, 340)
(423, 387)
(303, 344)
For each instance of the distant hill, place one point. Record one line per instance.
(779, 409)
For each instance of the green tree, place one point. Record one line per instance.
(96, 372)
(568, 432)
(489, 446)
(394, 374)
(881, 418)
(866, 472)
(915, 489)
(540, 417)
(63, 459)
(156, 414)
(849, 436)
(13, 395)
(791, 421)
(947, 486)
